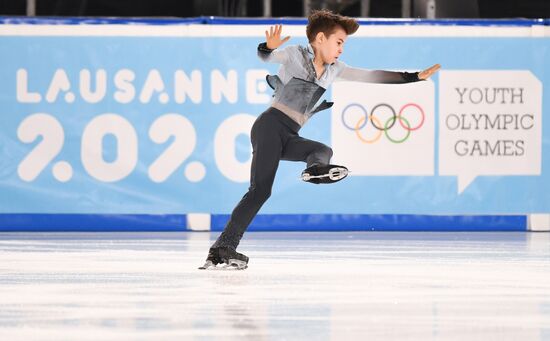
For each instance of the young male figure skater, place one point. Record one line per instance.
(304, 75)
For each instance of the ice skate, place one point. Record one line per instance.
(229, 257)
(209, 264)
(324, 174)
(235, 264)
(212, 259)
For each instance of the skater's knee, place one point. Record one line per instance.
(264, 194)
(324, 154)
(329, 151)
(261, 193)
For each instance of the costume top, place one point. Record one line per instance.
(297, 88)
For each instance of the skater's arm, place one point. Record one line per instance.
(349, 73)
(388, 77)
(269, 50)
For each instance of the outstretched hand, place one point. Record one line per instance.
(273, 37)
(428, 72)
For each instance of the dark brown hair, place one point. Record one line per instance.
(325, 21)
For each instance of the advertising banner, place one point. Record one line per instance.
(122, 119)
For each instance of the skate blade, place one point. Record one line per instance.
(334, 174)
(207, 265)
(234, 264)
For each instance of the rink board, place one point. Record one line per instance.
(137, 124)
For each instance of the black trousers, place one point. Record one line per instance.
(274, 137)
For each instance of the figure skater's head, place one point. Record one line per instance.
(327, 32)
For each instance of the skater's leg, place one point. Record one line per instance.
(266, 153)
(317, 156)
(298, 148)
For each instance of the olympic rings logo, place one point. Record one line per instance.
(379, 125)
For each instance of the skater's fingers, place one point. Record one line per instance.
(433, 69)
(285, 39)
(429, 71)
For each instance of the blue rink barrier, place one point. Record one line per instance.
(262, 223)
(73, 182)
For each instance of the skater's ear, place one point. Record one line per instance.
(320, 37)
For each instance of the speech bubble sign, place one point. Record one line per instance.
(490, 124)
(384, 129)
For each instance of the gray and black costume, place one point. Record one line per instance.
(274, 135)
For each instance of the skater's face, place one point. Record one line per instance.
(331, 47)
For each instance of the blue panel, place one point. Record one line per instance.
(379, 222)
(266, 222)
(92, 222)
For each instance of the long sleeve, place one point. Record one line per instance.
(376, 76)
(272, 56)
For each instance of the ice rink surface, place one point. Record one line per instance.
(299, 286)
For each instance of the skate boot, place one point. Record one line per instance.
(326, 174)
(231, 259)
